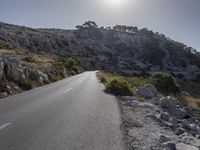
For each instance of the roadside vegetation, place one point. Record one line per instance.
(119, 87)
(166, 85)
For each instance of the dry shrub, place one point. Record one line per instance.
(190, 102)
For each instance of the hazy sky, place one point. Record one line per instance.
(178, 19)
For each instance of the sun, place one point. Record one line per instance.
(114, 2)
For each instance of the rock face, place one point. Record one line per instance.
(1, 68)
(13, 70)
(116, 49)
(147, 91)
(13, 74)
(35, 74)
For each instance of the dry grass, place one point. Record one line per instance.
(43, 61)
(4, 51)
(190, 102)
(56, 78)
(31, 84)
(14, 52)
(105, 77)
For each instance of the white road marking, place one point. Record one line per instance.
(4, 125)
(67, 90)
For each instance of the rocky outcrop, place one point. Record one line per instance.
(1, 68)
(13, 70)
(35, 74)
(14, 75)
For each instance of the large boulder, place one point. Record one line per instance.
(191, 141)
(147, 91)
(35, 74)
(179, 113)
(168, 102)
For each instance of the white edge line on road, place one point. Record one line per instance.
(67, 90)
(5, 125)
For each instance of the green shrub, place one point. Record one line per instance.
(165, 83)
(119, 87)
(70, 63)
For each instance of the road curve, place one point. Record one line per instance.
(71, 114)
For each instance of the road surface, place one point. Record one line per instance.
(71, 114)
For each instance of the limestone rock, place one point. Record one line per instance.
(168, 102)
(147, 91)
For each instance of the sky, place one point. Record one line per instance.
(177, 19)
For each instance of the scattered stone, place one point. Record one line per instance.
(169, 145)
(153, 116)
(168, 102)
(165, 116)
(164, 138)
(179, 131)
(191, 140)
(178, 113)
(160, 129)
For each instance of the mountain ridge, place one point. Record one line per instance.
(121, 49)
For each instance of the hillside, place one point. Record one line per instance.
(121, 49)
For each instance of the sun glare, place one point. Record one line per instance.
(114, 2)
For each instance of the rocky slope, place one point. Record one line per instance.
(121, 49)
(21, 71)
(158, 123)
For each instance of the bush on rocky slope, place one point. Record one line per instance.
(119, 87)
(70, 64)
(165, 83)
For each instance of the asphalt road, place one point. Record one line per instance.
(71, 114)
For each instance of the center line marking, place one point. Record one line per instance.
(4, 125)
(67, 90)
